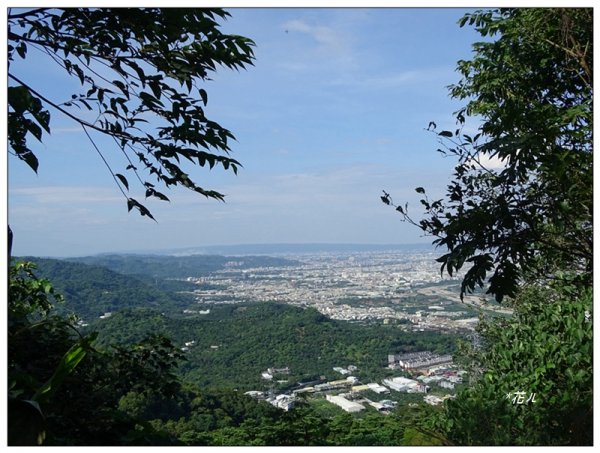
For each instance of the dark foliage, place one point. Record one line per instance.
(142, 71)
(530, 215)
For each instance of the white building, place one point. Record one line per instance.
(304, 390)
(378, 388)
(347, 405)
(416, 360)
(446, 384)
(402, 384)
(255, 394)
(285, 402)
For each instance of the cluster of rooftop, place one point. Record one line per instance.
(348, 393)
(357, 286)
(416, 360)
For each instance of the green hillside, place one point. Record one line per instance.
(144, 393)
(233, 344)
(90, 291)
(165, 266)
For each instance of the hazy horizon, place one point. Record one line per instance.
(253, 249)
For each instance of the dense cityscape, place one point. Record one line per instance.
(403, 287)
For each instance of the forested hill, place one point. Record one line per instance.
(165, 266)
(95, 285)
(133, 388)
(231, 345)
(90, 291)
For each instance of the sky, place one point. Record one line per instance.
(333, 111)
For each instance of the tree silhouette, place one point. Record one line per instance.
(142, 71)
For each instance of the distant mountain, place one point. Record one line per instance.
(279, 249)
(166, 266)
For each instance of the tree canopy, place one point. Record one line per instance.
(532, 377)
(142, 72)
(529, 216)
(527, 221)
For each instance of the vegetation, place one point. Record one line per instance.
(235, 343)
(527, 223)
(524, 229)
(545, 350)
(55, 375)
(532, 87)
(92, 291)
(146, 391)
(161, 266)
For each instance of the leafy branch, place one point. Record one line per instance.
(158, 56)
(531, 218)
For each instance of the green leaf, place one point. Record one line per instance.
(131, 203)
(160, 196)
(121, 86)
(155, 87)
(26, 424)
(66, 366)
(168, 50)
(19, 98)
(35, 130)
(145, 212)
(446, 134)
(42, 117)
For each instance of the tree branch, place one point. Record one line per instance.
(104, 160)
(65, 112)
(26, 13)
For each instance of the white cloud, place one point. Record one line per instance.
(332, 45)
(322, 205)
(66, 195)
(410, 77)
(327, 38)
(490, 162)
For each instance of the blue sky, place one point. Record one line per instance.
(333, 111)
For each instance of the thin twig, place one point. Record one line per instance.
(105, 162)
